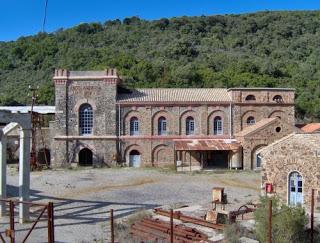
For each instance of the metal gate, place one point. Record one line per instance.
(44, 210)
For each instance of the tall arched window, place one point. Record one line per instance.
(189, 126)
(134, 126)
(217, 126)
(250, 98)
(162, 126)
(251, 120)
(295, 189)
(86, 119)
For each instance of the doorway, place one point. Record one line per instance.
(134, 158)
(85, 157)
(218, 159)
(295, 189)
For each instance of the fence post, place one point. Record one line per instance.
(270, 222)
(312, 215)
(111, 226)
(12, 233)
(171, 225)
(50, 222)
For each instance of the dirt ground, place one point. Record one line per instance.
(83, 197)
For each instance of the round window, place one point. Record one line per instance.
(278, 129)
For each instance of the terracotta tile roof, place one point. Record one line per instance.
(206, 144)
(312, 127)
(175, 95)
(259, 125)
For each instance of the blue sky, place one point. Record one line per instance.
(24, 17)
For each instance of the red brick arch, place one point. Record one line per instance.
(162, 155)
(155, 118)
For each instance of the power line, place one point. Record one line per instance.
(45, 15)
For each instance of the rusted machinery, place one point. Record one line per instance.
(156, 230)
(244, 209)
(188, 219)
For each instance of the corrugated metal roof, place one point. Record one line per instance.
(26, 109)
(206, 144)
(175, 95)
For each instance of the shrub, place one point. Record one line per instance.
(288, 223)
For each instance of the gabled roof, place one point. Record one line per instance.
(256, 127)
(312, 127)
(175, 95)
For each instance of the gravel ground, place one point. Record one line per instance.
(83, 197)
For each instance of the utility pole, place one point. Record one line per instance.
(33, 154)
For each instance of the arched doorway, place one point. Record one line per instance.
(44, 156)
(134, 158)
(85, 157)
(295, 189)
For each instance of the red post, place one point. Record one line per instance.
(312, 215)
(111, 226)
(12, 233)
(270, 222)
(171, 226)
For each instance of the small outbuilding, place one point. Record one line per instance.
(291, 168)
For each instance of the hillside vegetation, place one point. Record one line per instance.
(272, 49)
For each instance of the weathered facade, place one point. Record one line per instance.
(292, 166)
(100, 122)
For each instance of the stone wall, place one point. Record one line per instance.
(73, 89)
(296, 152)
(252, 142)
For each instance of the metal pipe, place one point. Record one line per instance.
(270, 222)
(111, 226)
(312, 215)
(171, 225)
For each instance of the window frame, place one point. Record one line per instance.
(162, 126)
(218, 125)
(86, 120)
(249, 122)
(134, 126)
(190, 125)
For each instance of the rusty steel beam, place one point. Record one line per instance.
(34, 225)
(189, 219)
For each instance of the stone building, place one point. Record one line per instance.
(292, 166)
(98, 122)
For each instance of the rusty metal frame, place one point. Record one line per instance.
(11, 231)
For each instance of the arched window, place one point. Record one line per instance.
(278, 99)
(251, 120)
(134, 126)
(86, 119)
(250, 98)
(189, 126)
(217, 126)
(162, 126)
(295, 189)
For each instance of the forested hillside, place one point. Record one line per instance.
(273, 49)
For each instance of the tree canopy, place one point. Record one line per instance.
(264, 49)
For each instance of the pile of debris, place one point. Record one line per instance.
(156, 230)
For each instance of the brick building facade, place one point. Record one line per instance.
(98, 121)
